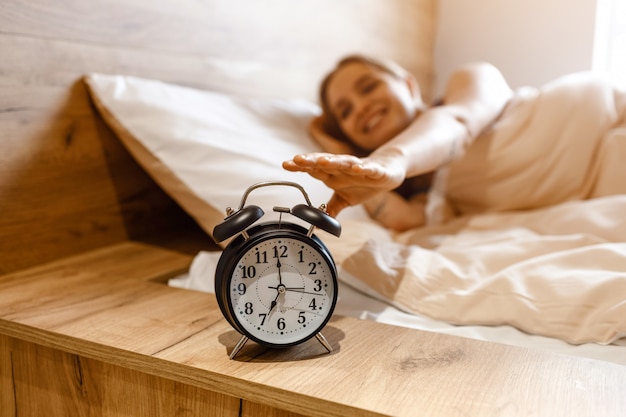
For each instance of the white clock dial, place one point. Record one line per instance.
(282, 290)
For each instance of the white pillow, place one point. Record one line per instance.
(206, 148)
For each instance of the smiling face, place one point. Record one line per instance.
(370, 105)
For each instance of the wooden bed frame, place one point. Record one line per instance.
(88, 240)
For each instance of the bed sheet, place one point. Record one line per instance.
(357, 303)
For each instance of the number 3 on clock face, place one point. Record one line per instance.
(283, 288)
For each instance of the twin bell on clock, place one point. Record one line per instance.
(276, 281)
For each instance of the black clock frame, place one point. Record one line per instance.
(240, 245)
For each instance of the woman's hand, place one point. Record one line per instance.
(353, 179)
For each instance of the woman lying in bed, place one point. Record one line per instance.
(365, 105)
(537, 147)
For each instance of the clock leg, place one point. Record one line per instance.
(238, 346)
(320, 337)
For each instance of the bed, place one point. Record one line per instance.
(118, 121)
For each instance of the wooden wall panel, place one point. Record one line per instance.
(66, 183)
(286, 44)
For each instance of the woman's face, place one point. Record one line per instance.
(370, 105)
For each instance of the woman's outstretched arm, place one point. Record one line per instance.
(474, 97)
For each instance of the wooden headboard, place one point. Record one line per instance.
(66, 184)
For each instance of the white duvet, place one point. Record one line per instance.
(557, 272)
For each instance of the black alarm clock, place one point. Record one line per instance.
(276, 282)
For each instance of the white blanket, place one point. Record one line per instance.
(557, 272)
(563, 142)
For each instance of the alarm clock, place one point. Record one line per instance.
(276, 281)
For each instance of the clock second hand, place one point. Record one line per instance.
(298, 289)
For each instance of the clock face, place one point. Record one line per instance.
(282, 289)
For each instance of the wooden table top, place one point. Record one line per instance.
(113, 305)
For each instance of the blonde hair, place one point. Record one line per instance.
(330, 123)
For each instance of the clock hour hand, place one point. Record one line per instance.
(273, 304)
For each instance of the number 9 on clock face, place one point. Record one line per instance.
(282, 285)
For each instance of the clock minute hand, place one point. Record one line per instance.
(280, 277)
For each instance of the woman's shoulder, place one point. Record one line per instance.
(475, 94)
(477, 82)
(476, 69)
(475, 76)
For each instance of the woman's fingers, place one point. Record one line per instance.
(353, 179)
(368, 169)
(331, 164)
